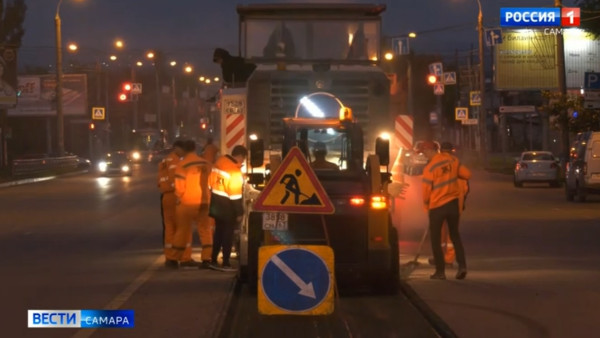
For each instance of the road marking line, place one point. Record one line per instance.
(121, 298)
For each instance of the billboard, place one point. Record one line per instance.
(526, 60)
(37, 95)
(8, 77)
(582, 54)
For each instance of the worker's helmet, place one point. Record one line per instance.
(447, 147)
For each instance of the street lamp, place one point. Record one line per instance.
(151, 56)
(482, 112)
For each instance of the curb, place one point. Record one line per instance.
(439, 326)
(39, 179)
(227, 310)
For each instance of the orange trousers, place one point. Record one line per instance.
(168, 203)
(186, 216)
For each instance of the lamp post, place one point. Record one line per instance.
(482, 112)
(60, 126)
(155, 58)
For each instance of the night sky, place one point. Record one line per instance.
(189, 30)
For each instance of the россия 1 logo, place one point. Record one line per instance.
(539, 17)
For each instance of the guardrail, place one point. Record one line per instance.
(26, 167)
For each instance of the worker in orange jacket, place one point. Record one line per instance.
(226, 207)
(447, 245)
(166, 185)
(191, 190)
(441, 194)
(210, 151)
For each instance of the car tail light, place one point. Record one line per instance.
(357, 201)
(378, 202)
(523, 165)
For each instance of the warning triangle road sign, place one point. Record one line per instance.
(294, 188)
(98, 113)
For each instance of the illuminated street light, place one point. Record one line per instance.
(113, 58)
(389, 56)
(173, 63)
(139, 63)
(73, 47)
(207, 81)
(119, 43)
(188, 69)
(150, 55)
(216, 79)
(412, 35)
(202, 78)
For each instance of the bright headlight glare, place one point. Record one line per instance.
(102, 166)
(136, 155)
(125, 168)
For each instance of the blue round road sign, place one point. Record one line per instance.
(296, 280)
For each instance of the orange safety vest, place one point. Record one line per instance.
(191, 180)
(166, 173)
(226, 184)
(440, 180)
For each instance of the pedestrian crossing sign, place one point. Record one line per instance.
(461, 113)
(98, 113)
(294, 188)
(475, 98)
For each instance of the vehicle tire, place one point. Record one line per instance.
(581, 195)
(517, 184)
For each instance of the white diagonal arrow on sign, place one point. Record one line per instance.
(306, 290)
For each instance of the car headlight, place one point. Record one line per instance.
(136, 155)
(125, 168)
(102, 166)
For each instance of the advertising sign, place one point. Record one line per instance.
(526, 60)
(38, 95)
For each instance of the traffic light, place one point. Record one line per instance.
(203, 125)
(432, 79)
(92, 126)
(125, 94)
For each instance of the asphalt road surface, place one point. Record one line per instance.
(86, 242)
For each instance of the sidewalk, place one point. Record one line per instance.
(6, 180)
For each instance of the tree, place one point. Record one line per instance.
(590, 16)
(12, 16)
(577, 119)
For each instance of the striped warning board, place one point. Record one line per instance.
(404, 131)
(233, 123)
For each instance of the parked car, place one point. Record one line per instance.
(582, 173)
(115, 163)
(537, 166)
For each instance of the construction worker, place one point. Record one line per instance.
(226, 207)
(441, 194)
(166, 185)
(191, 190)
(447, 246)
(210, 151)
(319, 153)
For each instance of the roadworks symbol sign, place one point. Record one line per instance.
(294, 188)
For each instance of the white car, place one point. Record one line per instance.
(537, 166)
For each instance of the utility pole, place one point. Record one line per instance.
(562, 86)
(60, 123)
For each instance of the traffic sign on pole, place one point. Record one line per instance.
(461, 113)
(98, 113)
(295, 280)
(438, 88)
